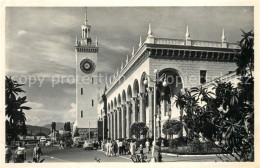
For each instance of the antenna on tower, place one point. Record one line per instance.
(86, 16)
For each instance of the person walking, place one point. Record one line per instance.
(120, 146)
(37, 152)
(153, 148)
(108, 149)
(147, 145)
(21, 152)
(123, 147)
(112, 149)
(132, 148)
(116, 148)
(8, 153)
(141, 149)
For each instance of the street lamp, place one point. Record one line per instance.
(145, 82)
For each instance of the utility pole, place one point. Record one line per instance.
(89, 130)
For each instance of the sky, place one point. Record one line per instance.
(40, 45)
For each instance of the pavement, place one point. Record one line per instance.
(74, 154)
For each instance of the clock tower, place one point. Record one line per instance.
(86, 85)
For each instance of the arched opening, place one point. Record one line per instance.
(119, 99)
(108, 106)
(142, 85)
(115, 103)
(166, 95)
(129, 93)
(112, 107)
(123, 97)
(135, 88)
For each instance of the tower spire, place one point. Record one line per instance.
(126, 59)
(140, 43)
(187, 33)
(96, 41)
(76, 41)
(150, 33)
(86, 17)
(133, 52)
(223, 38)
(122, 66)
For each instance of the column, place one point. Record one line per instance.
(142, 110)
(151, 114)
(134, 109)
(118, 122)
(114, 123)
(108, 125)
(103, 124)
(111, 125)
(123, 107)
(128, 119)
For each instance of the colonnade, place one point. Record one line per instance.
(121, 117)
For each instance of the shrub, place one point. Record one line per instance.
(195, 145)
(177, 142)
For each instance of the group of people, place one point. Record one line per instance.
(20, 153)
(115, 148)
(122, 147)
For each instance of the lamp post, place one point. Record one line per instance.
(156, 71)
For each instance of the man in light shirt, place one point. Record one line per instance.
(21, 152)
(147, 145)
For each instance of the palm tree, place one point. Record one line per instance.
(245, 57)
(15, 107)
(181, 103)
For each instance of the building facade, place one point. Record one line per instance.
(143, 89)
(86, 52)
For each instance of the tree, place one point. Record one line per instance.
(53, 126)
(138, 129)
(171, 127)
(14, 109)
(227, 116)
(67, 126)
(76, 132)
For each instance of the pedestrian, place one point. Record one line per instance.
(153, 146)
(132, 148)
(37, 152)
(21, 152)
(8, 153)
(141, 149)
(120, 146)
(162, 144)
(123, 147)
(127, 147)
(107, 149)
(147, 145)
(112, 148)
(116, 148)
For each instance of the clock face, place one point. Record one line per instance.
(87, 66)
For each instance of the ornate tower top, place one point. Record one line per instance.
(187, 33)
(150, 33)
(85, 33)
(223, 38)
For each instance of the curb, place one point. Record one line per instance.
(170, 154)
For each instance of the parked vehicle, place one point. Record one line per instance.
(88, 145)
(49, 143)
(78, 141)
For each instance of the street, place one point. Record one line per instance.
(74, 154)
